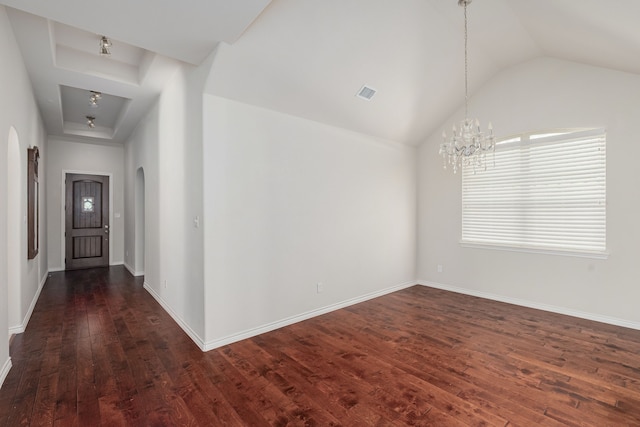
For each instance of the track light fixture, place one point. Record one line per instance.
(105, 46)
(94, 97)
(91, 121)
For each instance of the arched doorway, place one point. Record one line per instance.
(15, 250)
(139, 222)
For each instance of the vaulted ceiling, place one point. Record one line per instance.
(304, 57)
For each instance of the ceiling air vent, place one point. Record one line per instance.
(366, 93)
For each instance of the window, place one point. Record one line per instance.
(546, 192)
(88, 204)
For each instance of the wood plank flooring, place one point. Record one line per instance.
(99, 351)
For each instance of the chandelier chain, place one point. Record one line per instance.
(466, 65)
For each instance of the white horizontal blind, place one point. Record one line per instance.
(544, 193)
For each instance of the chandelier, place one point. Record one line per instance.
(468, 145)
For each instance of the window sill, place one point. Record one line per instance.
(578, 254)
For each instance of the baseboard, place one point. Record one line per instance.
(210, 345)
(538, 306)
(132, 271)
(190, 332)
(5, 371)
(18, 329)
(129, 268)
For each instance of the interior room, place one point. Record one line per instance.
(269, 162)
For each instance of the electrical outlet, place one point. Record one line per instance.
(439, 268)
(319, 287)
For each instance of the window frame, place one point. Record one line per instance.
(33, 203)
(526, 143)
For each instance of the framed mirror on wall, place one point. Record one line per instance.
(33, 198)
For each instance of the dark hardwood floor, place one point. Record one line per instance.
(100, 351)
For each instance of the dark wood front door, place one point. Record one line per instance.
(87, 221)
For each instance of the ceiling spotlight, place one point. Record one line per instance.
(94, 98)
(105, 46)
(91, 121)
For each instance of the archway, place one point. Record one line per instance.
(139, 222)
(15, 250)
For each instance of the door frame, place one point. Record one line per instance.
(63, 200)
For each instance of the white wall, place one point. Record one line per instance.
(67, 156)
(167, 145)
(290, 203)
(539, 95)
(18, 109)
(141, 151)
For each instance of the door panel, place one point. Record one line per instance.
(87, 221)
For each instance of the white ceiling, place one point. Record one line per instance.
(313, 56)
(187, 30)
(309, 57)
(151, 39)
